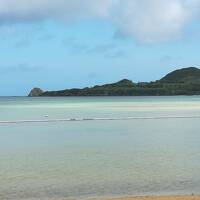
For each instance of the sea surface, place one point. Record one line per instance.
(152, 146)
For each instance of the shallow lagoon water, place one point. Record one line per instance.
(82, 159)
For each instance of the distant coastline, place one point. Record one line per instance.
(185, 81)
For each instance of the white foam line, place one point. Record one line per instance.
(98, 119)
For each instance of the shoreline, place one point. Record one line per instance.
(154, 197)
(144, 197)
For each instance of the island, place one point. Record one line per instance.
(185, 81)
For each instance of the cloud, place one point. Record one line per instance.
(102, 48)
(75, 46)
(12, 11)
(20, 68)
(144, 20)
(153, 20)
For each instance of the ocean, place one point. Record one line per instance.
(80, 147)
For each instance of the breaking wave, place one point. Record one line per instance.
(98, 119)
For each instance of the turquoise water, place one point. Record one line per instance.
(79, 159)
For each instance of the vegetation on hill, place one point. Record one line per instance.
(185, 81)
(190, 74)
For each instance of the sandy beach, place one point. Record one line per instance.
(191, 197)
(164, 197)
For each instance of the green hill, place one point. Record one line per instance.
(191, 74)
(184, 81)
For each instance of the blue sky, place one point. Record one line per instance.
(63, 44)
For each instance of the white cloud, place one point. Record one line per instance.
(155, 20)
(145, 20)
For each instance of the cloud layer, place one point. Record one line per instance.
(153, 20)
(144, 20)
(32, 10)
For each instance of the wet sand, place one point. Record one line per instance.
(191, 197)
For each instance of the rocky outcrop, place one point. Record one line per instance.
(35, 92)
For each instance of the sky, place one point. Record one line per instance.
(59, 44)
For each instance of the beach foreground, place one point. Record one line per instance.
(191, 197)
(170, 197)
